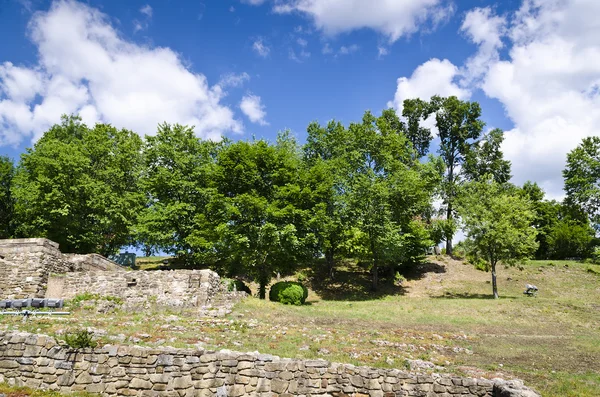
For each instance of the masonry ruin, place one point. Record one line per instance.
(35, 268)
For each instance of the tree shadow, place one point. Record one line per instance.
(353, 282)
(469, 295)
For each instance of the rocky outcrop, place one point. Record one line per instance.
(38, 361)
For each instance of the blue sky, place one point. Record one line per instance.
(254, 67)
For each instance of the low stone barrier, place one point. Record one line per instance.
(40, 362)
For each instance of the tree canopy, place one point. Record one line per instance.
(497, 221)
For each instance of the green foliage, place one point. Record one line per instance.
(182, 202)
(7, 221)
(79, 186)
(570, 239)
(582, 177)
(80, 339)
(497, 221)
(288, 293)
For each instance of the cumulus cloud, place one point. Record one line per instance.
(261, 48)
(85, 67)
(549, 86)
(434, 77)
(548, 81)
(233, 80)
(485, 29)
(252, 107)
(393, 19)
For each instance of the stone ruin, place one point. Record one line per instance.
(35, 268)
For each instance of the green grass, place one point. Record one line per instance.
(447, 317)
(14, 391)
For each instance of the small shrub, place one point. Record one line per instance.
(288, 292)
(399, 279)
(301, 276)
(80, 339)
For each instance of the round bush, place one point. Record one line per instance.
(288, 292)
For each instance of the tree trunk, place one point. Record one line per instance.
(375, 269)
(375, 273)
(494, 284)
(449, 238)
(330, 263)
(263, 280)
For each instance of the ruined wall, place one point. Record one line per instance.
(37, 361)
(26, 266)
(27, 263)
(196, 288)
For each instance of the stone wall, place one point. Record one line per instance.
(39, 362)
(25, 265)
(190, 288)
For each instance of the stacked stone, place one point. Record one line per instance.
(179, 288)
(39, 362)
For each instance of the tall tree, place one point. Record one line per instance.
(459, 129)
(582, 178)
(387, 188)
(497, 221)
(7, 172)
(325, 179)
(79, 186)
(263, 230)
(486, 158)
(178, 181)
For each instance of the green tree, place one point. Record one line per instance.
(497, 221)
(570, 239)
(387, 188)
(486, 158)
(181, 200)
(582, 178)
(264, 229)
(325, 180)
(7, 172)
(79, 186)
(459, 129)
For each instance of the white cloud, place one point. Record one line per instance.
(434, 77)
(85, 67)
(138, 25)
(261, 48)
(327, 49)
(381, 52)
(348, 50)
(548, 81)
(393, 19)
(548, 86)
(301, 42)
(252, 107)
(253, 2)
(300, 57)
(146, 10)
(233, 80)
(486, 30)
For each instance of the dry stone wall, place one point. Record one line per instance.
(38, 361)
(179, 288)
(25, 265)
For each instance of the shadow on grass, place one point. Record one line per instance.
(353, 283)
(469, 295)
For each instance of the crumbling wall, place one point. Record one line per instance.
(27, 264)
(183, 288)
(38, 361)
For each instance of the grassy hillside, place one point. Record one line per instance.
(443, 313)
